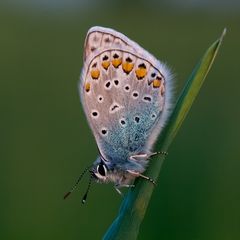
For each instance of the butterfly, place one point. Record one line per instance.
(126, 96)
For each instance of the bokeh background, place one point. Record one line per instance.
(46, 142)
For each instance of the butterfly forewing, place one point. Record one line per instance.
(123, 93)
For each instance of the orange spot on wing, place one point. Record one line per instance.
(116, 62)
(156, 83)
(95, 73)
(105, 64)
(87, 87)
(141, 72)
(127, 67)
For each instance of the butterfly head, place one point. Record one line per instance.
(104, 171)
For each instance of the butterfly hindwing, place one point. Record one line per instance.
(123, 91)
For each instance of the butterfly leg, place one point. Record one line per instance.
(158, 153)
(137, 174)
(139, 157)
(117, 186)
(117, 189)
(145, 156)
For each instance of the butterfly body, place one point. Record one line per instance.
(125, 93)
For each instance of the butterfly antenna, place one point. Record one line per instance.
(87, 191)
(75, 185)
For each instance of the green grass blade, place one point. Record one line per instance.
(126, 225)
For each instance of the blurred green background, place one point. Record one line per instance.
(46, 142)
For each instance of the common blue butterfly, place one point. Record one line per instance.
(126, 96)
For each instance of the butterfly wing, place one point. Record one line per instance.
(124, 91)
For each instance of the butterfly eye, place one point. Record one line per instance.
(102, 170)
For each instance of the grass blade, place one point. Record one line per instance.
(127, 223)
